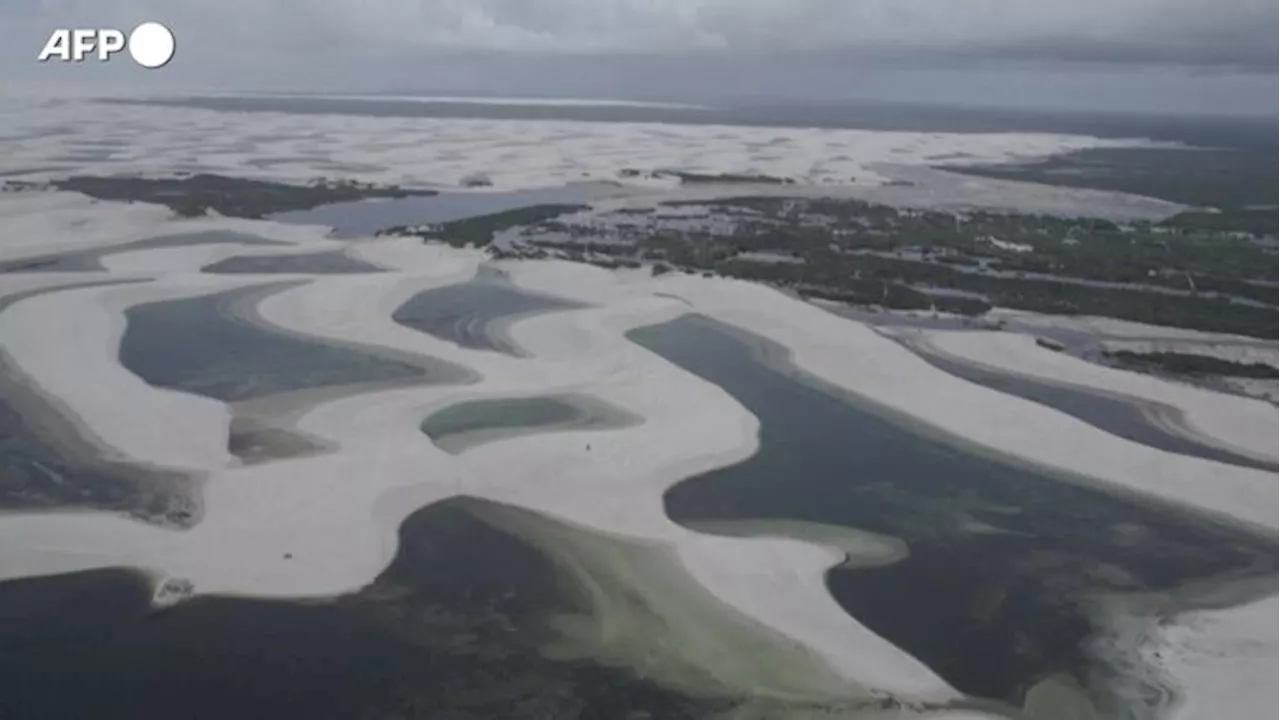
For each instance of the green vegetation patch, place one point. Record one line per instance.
(479, 231)
(1191, 364)
(1216, 177)
(194, 195)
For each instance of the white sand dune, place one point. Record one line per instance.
(255, 516)
(327, 524)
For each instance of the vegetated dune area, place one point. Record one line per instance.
(269, 432)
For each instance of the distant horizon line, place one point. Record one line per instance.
(727, 103)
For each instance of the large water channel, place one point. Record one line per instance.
(1003, 560)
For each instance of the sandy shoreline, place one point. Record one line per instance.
(1237, 424)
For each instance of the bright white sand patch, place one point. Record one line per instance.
(860, 548)
(1242, 424)
(1222, 661)
(42, 223)
(444, 151)
(45, 223)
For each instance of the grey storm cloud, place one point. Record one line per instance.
(1148, 55)
(1165, 31)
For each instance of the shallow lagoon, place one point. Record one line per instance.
(462, 426)
(469, 314)
(204, 345)
(322, 263)
(1003, 559)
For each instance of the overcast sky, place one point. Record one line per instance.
(1168, 55)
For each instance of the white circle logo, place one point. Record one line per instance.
(151, 45)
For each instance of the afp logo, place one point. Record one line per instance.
(150, 44)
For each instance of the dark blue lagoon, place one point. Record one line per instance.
(1004, 559)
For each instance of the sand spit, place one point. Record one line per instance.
(862, 548)
(1238, 424)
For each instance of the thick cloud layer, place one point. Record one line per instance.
(1190, 31)
(384, 43)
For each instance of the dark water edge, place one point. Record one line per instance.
(1004, 559)
(465, 313)
(323, 263)
(203, 345)
(45, 463)
(363, 217)
(90, 260)
(1111, 414)
(255, 441)
(449, 630)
